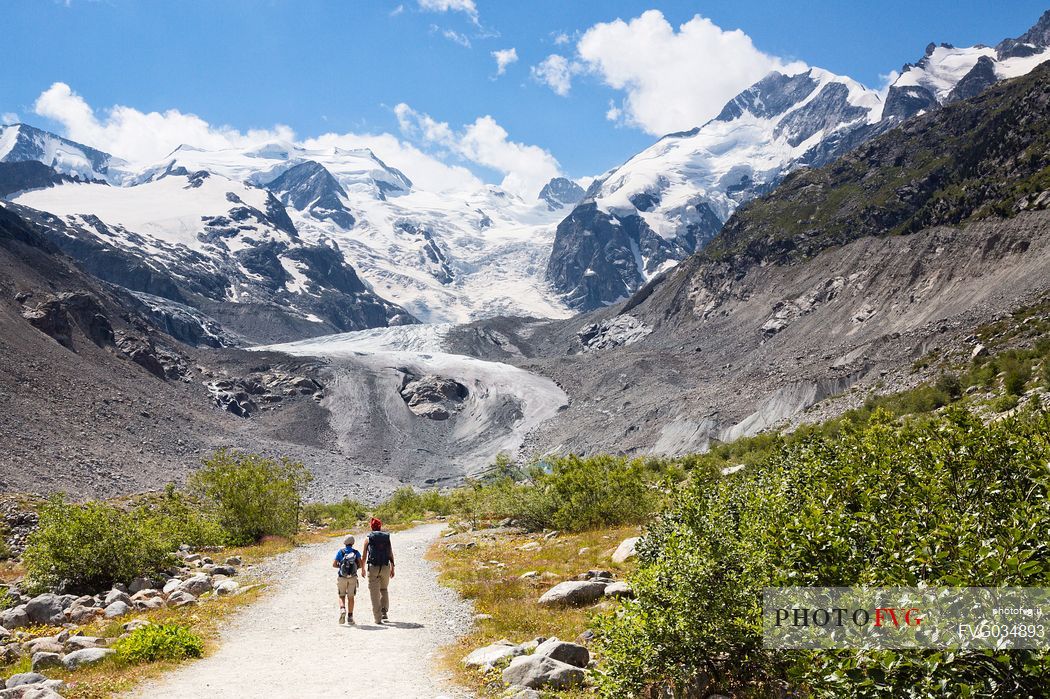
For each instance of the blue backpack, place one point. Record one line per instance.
(348, 566)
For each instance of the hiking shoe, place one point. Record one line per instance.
(350, 619)
(342, 616)
(385, 617)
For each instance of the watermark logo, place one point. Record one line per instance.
(906, 617)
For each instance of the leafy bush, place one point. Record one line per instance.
(407, 504)
(570, 493)
(185, 520)
(159, 642)
(1015, 379)
(945, 500)
(254, 496)
(340, 515)
(94, 545)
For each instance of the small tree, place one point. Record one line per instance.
(254, 495)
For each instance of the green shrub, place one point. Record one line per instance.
(1004, 403)
(945, 500)
(94, 545)
(571, 493)
(254, 496)
(6, 600)
(949, 385)
(159, 642)
(185, 520)
(407, 504)
(339, 515)
(1015, 380)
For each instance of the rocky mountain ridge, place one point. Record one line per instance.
(668, 201)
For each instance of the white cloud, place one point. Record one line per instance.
(425, 171)
(453, 36)
(525, 168)
(673, 79)
(555, 72)
(614, 112)
(396, 11)
(467, 7)
(504, 57)
(8, 118)
(561, 39)
(142, 137)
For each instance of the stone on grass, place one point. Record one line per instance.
(130, 626)
(541, 672)
(619, 590)
(525, 694)
(116, 595)
(139, 584)
(532, 574)
(47, 608)
(530, 546)
(44, 660)
(23, 678)
(226, 587)
(487, 657)
(44, 644)
(573, 593)
(83, 615)
(181, 598)
(223, 570)
(626, 550)
(233, 561)
(571, 653)
(171, 586)
(86, 656)
(14, 618)
(80, 642)
(197, 585)
(117, 609)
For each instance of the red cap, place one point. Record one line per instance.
(375, 524)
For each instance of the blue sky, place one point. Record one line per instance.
(343, 67)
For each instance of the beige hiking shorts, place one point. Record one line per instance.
(347, 586)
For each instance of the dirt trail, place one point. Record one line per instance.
(289, 643)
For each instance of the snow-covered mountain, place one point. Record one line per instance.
(444, 257)
(666, 202)
(199, 243)
(271, 224)
(24, 143)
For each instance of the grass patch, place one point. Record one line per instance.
(501, 592)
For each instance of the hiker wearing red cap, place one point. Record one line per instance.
(379, 556)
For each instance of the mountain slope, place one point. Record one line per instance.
(23, 143)
(845, 280)
(224, 248)
(669, 200)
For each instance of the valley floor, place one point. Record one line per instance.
(289, 643)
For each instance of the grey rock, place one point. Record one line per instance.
(14, 618)
(626, 550)
(571, 653)
(47, 608)
(80, 642)
(181, 598)
(197, 585)
(233, 561)
(24, 678)
(573, 593)
(541, 672)
(489, 656)
(116, 595)
(619, 590)
(525, 694)
(86, 656)
(44, 660)
(223, 570)
(139, 584)
(117, 609)
(226, 587)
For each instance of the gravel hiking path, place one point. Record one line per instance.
(290, 644)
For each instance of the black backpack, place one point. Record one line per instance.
(378, 549)
(348, 566)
